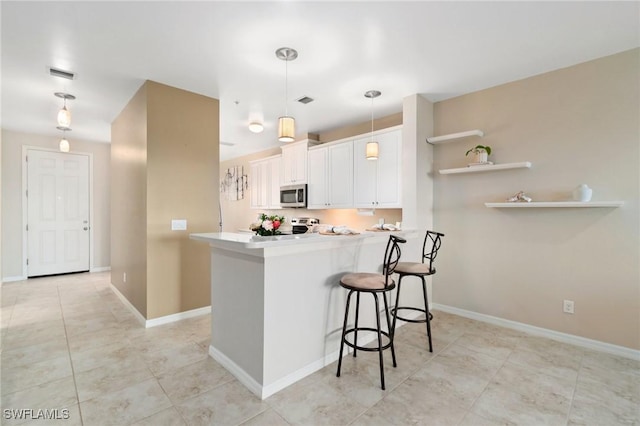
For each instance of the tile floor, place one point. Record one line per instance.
(68, 343)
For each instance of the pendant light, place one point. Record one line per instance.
(64, 143)
(286, 124)
(372, 146)
(256, 127)
(64, 116)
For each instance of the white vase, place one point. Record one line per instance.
(582, 193)
(482, 156)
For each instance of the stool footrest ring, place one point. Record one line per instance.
(364, 348)
(394, 312)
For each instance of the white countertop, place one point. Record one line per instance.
(249, 241)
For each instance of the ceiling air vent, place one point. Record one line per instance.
(305, 100)
(62, 73)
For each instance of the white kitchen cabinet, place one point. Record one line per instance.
(330, 177)
(264, 183)
(294, 163)
(377, 182)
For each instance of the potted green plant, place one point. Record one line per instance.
(481, 152)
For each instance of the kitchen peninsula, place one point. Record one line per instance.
(276, 305)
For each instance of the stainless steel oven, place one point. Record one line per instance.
(293, 196)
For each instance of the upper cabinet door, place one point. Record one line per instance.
(340, 175)
(264, 183)
(317, 179)
(377, 182)
(294, 163)
(365, 175)
(275, 180)
(389, 172)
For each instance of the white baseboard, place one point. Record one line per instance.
(264, 392)
(23, 278)
(177, 317)
(13, 279)
(543, 332)
(233, 368)
(160, 320)
(128, 304)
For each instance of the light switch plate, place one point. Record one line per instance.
(178, 224)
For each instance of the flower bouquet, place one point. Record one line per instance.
(267, 225)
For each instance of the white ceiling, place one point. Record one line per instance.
(226, 50)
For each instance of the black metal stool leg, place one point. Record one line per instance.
(426, 311)
(395, 310)
(344, 331)
(386, 312)
(355, 333)
(375, 297)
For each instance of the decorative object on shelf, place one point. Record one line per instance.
(64, 143)
(267, 225)
(234, 183)
(582, 193)
(372, 146)
(64, 116)
(286, 124)
(482, 154)
(519, 197)
(483, 163)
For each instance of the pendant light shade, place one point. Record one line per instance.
(372, 146)
(372, 150)
(64, 115)
(286, 129)
(286, 123)
(64, 145)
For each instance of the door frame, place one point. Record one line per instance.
(25, 204)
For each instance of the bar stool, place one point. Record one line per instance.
(419, 269)
(373, 284)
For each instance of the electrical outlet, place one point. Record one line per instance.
(567, 306)
(124, 277)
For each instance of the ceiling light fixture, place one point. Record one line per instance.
(64, 116)
(372, 146)
(64, 143)
(286, 124)
(256, 127)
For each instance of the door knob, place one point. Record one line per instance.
(85, 228)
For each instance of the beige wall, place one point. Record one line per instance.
(576, 125)
(237, 214)
(165, 163)
(12, 143)
(360, 128)
(182, 183)
(129, 201)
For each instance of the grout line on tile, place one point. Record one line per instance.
(73, 373)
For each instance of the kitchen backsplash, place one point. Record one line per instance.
(236, 218)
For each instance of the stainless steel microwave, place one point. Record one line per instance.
(293, 196)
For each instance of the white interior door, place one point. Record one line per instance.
(57, 213)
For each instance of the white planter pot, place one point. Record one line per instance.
(481, 157)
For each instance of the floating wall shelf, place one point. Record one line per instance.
(566, 204)
(452, 136)
(487, 168)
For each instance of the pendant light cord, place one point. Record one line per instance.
(286, 81)
(372, 119)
